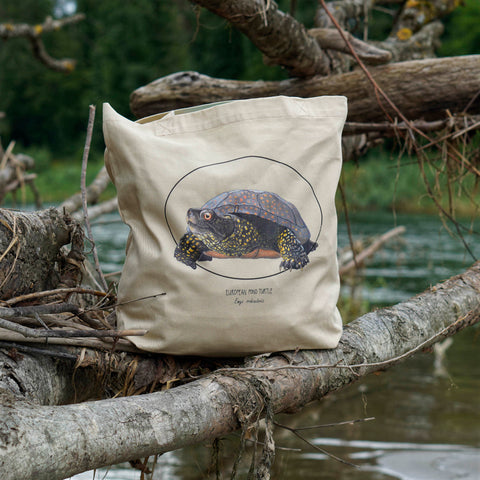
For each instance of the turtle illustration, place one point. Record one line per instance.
(246, 224)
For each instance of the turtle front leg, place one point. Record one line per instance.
(189, 250)
(291, 250)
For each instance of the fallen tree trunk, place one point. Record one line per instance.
(55, 442)
(419, 88)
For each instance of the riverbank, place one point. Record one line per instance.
(383, 182)
(378, 182)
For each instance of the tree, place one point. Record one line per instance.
(235, 397)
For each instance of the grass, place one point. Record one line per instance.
(382, 181)
(59, 178)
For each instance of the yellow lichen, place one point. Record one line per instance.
(69, 66)
(38, 29)
(404, 34)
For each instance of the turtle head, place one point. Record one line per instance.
(207, 222)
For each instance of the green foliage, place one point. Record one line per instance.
(119, 47)
(385, 180)
(381, 181)
(123, 45)
(462, 35)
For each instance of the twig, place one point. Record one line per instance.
(384, 363)
(49, 293)
(102, 208)
(7, 153)
(43, 309)
(117, 344)
(452, 135)
(356, 128)
(337, 424)
(316, 447)
(17, 253)
(36, 333)
(88, 140)
(347, 220)
(40, 351)
(380, 93)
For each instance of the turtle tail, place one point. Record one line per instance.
(310, 246)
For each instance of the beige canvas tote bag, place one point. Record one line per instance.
(233, 228)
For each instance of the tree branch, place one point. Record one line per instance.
(33, 33)
(415, 15)
(360, 257)
(276, 34)
(330, 39)
(111, 431)
(420, 88)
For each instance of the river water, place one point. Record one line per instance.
(426, 410)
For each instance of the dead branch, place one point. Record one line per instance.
(86, 221)
(277, 35)
(13, 173)
(33, 34)
(62, 333)
(54, 293)
(111, 431)
(415, 33)
(330, 39)
(96, 211)
(103, 343)
(425, 89)
(421, 44)
(457, 124)
(343, 11)
(368, 252)
(93, 192)
(414, 16)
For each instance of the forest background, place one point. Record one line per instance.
(121, 46)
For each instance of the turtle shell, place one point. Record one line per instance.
(267, 205)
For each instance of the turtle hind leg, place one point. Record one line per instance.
(190, 249)
(293, 254)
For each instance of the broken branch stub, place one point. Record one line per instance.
(30, 246)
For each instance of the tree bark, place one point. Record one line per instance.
(275, 33)
(419, 88)
(413, 16)
(30, 244)
(49, 442)
(34, 32)
(331, 39)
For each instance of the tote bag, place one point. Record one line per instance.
(233, 228)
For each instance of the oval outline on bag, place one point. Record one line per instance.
(290, 168)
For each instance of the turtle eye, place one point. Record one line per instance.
(207, 216)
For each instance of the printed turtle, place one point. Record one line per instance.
(246, 224)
